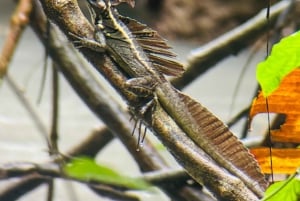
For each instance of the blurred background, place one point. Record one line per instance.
(187, 24)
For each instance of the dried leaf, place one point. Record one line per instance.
(285, 100)
(284, 161)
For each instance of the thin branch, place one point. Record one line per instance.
(18, 22)
(89, 90)
(54, 125)
(53, 170)
(113, 194)
(243, 113)
(55, 110)
(45, 66)
(92, 144)
(280, 23)
(89, 147)
(202, 58)
(196, 162)
(188, 154)
(87, 86)
(50, 192)
(33, 113)
(27, 184)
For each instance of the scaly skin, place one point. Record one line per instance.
(207, 131)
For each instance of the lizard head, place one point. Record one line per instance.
(99, 4)
(104, 4)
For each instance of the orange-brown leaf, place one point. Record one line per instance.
(284, 161)
(285, 100)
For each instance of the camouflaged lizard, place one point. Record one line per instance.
(145, 58)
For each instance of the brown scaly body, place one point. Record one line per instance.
(143, 55)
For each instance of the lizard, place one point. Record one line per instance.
(134, 47)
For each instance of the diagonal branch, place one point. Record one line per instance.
(33, 113)
(190, 156)
(19, 21)
(88, 88)
(89, 147)
(53, 170)
(202, 58)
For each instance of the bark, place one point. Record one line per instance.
(190, 156)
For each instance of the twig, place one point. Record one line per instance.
(53, 170)
(83, 82)
(55, 109)
(89, 147)
(27, 184)
(187, 153)
(275, 36)
(18, 22)
(197, 163)
(29, 107)
(201, 59)
(89, 89)
(50, 191)
(54, 124)
(113, 194)
(243, 113)
(45, 66)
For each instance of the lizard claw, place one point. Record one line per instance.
(80, 42)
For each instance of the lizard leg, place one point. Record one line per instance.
(141, 86)
(143, 89)
(93, 44)
(138, 113)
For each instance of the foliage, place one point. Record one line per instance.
(86, 169)
(279, 77)
(287, 190)
(284, 100)
(284, 58)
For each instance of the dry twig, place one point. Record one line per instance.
(92, 93)
(189, 155)
(202, 58)
(18, 22)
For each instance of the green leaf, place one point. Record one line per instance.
(284, 58)
(287, 190)
(87, 169)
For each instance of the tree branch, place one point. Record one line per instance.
(89, 90)
(202, 58)
(190, 156)
(53, 170)
(33, 113)
(89, 147)
(18, 22)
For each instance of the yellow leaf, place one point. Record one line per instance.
(285, 100)
(284, 161)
